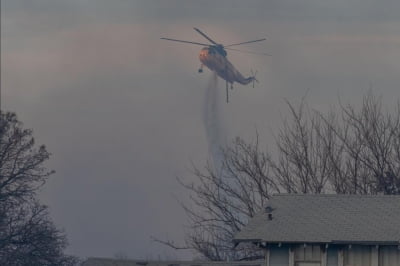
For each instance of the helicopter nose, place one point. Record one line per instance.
(203, 53)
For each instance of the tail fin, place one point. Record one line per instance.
(244, 81)
(252, 78)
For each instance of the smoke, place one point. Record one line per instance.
(213, 122)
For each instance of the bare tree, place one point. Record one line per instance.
(223, 200)
(348, 152)
(368, 150)
(27, 234)
(351, 152)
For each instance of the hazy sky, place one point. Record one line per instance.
(121, 110)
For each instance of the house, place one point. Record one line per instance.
(327, 230)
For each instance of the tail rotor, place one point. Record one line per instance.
(253, 76)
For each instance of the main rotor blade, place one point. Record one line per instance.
(205, 36)
(244, 51)
(260, 40)
(174, 40)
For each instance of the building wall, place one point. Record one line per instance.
(389, 256)
(358, 256)
(352, 255)
(279, 256)
(307, 253)
(332, 256)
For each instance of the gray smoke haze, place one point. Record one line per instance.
(213, 122)
(122, 112)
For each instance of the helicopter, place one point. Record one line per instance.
(214, 57)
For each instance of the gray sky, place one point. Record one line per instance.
(121, 110)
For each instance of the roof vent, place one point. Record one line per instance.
(269, 210)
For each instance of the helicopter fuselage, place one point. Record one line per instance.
(215, 59)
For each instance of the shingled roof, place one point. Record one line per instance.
(337, 219)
